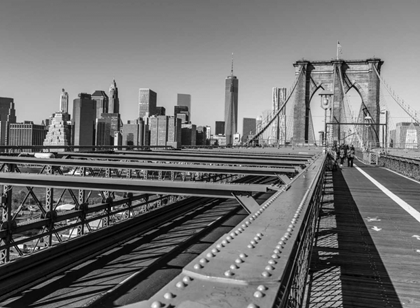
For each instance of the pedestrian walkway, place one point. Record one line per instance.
(367, 251)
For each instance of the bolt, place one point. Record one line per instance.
(265, 274)
(198, 266)
(229, 273)
(169, 295)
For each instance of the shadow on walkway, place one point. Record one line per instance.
(346, 269)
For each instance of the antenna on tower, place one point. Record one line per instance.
(231, 70)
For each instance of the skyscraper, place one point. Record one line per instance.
(183, 113)
(64, 101)
(220, 128)
(114, 101)
(147, 102)
(249, 128)
(7, 116)
(231, 106)
(102, 102)
(184, 100)
(84, 120)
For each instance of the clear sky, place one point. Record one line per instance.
(185, 46)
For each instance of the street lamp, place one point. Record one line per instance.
(368, 118)
(326, 103)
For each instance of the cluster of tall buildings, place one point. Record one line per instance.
(95, 120)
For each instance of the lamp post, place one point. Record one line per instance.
(368, 118)
(326, 99)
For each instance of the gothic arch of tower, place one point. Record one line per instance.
(338, 76)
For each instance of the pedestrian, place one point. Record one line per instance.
(342, 155)
(350, 156)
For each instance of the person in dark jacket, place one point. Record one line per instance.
(350, 156)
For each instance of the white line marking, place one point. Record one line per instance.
(408, 208)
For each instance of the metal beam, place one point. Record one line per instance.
(215, 190)
(147, 166)
(213, 160)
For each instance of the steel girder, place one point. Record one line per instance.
(214, 190)
(209, 160)
(147, 166)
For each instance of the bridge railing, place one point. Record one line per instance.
(404, 165)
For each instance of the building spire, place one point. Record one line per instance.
(231, 70)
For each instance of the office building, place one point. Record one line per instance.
(183, 113)
(64, 101)
(189, 134)
(160, 111)
(102, 102)
(208, 132)
(114, 101)
(133, 133)
(220, 128)
(158, 130)
(26, 133)
(147, 102)
(174, 132)
(184, 100)
(249, 128)
(59, 131)
(231, 106)
(84, 120)
(112, 121)
(201, 135)
(7, 116)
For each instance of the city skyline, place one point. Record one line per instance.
(47, 44)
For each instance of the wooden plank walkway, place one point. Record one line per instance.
(367, 253)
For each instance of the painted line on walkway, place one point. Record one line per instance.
(408, 208)
(404, 176)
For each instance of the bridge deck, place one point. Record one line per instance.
(368, 246)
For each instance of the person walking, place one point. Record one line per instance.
(350, 156)
(342, 155)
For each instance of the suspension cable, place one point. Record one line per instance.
(277, 113)
(405, 107)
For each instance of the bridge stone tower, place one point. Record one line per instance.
(337, 76)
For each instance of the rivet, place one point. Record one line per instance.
(156, 305)
(265, 274)
(209, 255)
(247, 223)
(250, 246)
(284, 238)
(220, 246)
(269, 268)
(260, 234)
(229, 238)
(289, 229)
(281, 243)
(276, 251)
(261, 288)
(272, 262)
(293, 221)
(234, 266)
(237, 232)
(239, 260)
(180, 284)
(274, 256)
(228, 273)
(169, 295)
(258, 294)
(232, 234)
(257, 238)
(287, 234)
(187, 279)
(224, 242)
(198, 266)
(252, 305)
(253, 242)
(244, 225)
(279, 247)
(291, 226)
(215, 250)
(242, 256)
(203, 260)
